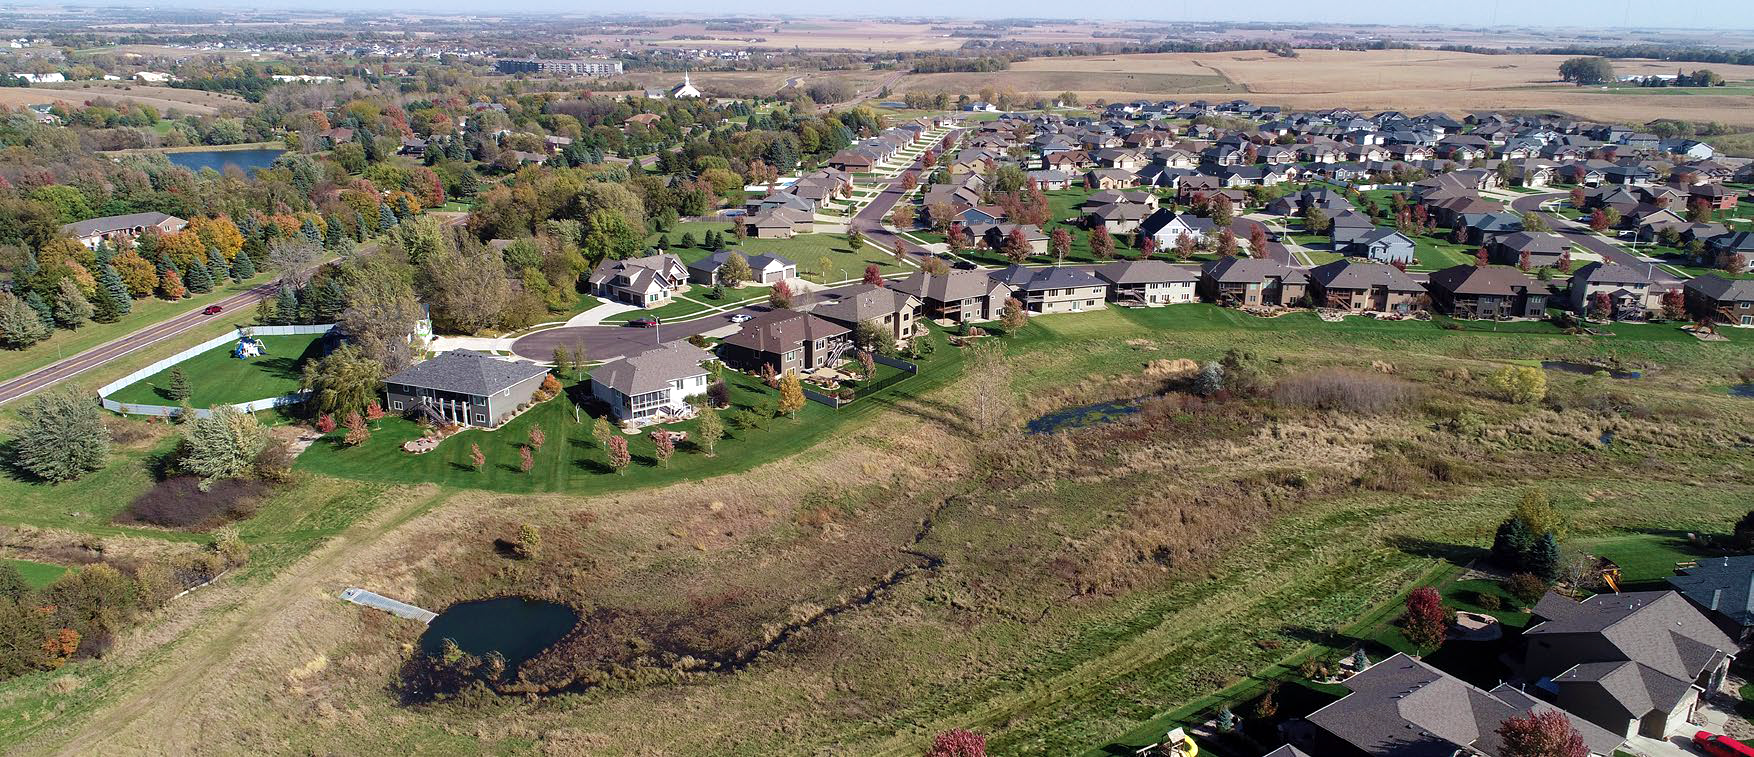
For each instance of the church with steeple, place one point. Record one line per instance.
(685, 89)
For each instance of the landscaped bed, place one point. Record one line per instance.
(217, 378)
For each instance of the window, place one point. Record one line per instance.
(480, 419)
(397, 405)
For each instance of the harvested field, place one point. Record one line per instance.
(168, 101)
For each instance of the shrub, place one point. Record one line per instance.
(1527, 587)
(1346, 390)
(1521, 384)
(1486, 600)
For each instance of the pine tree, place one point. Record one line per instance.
(1512, 544)
(111, 287)
(199, 280)
(333, 239)
(63, 436)
(402, 209)
(1543, 559)
(285, 306)
(309, 231)
(35, 300)
(217, 268)
(179, 390)
(20, 326)
(327, 302)
(359, 227)
(242, 267)
(386, 218)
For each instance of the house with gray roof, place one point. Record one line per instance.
(652, 383)
(959, 295)
(646, 282)
(1148, 283)
(116, 229)
(1720, 300)
(1633, 663)
(1054, 289)
(895, 311)
(464, 387)
(1357, 286)
(1471, 291)
(1249, 282)
(1382, 245)
(1402, 707)
(764, 269)
(1721, 587)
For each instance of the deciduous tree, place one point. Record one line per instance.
(791, 394)
(1541, 733)
(958, 742)
(663, 445)
(62, 436)
(1060, 243)
(1426, 622)
(223, 445)
(708, 431)
(619, 457)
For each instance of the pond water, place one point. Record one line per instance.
(1588, 369)
(1081, 416)
(516, 627)
(248, 161)
(1745, 391)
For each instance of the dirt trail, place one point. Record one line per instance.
(162, 696)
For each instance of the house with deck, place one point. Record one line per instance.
(652, 383)
(1148, 283)
(1251, 282)
(464, 387)
(1495, 292)
(1054, 289)
(787, 340)
(1357, 286)
(958, 295)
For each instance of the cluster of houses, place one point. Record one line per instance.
(864, 155)
(792, 210)
(1619, 667)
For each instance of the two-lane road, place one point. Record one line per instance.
(1581, 236)
(67, 368)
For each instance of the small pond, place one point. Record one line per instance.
(248, 161)
(1588, 369)
(516, 627)
(1082, 416)
(1745, 391)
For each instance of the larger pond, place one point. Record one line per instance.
(1745, 391)
(515, 627)
(1081, 416)
(248, 161)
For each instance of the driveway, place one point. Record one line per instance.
(1582, 237)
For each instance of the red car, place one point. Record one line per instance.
(212, 310)
(1721, 746)
(644, 322)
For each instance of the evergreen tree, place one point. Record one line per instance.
(111, 287)
(333, 239)
(40, 306)
(1512, 543)
(63, 436)
(1543, 559)
(359, 226)
(217, 269)
(386, 218)
(179, 390)
(327, 302)
(242, 267)
(199, 280)
(309, 231)
(71, 308)
(402, 208)
(285, 306)
(20, 326)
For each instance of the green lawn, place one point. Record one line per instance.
(1435, 253)
(1645, 557)
(571, 460)
(146, 312)
(217, 378)
(693, 302)
(36, 574)
(809, 251)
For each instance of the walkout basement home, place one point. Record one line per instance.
(464, 387)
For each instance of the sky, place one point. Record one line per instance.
(1694, 14)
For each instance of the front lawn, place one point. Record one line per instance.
(812, 252)
(693, 302)
(217, 378)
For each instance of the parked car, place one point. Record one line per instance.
(644, 322)
(741, 317)
(1718, 745)
(212, 310)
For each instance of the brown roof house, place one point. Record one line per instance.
(1246, 282)
(647, 282)
(1148, 283)
(779, 223)
(1714, 298)
(956, 296)
(1544, 248)
(1496, 292)
(895, 311)
(787, 341)
(1632, 663)
(1359, 286)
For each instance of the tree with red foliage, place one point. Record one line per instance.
(537, 438)
(1524, 262)
(1184, 246)
(1601, 306)
(476, 457)
(1674, 305)
(902, 217)
(1577, 197)
(958, 743)
(1257, 240)
(1400, 265)
(326, 423)
(873, 276)
(956, 239)
(1227, 243)
(1101, 244)
(1426, 622)
(664, 446)
(526, 461)
(1544, 733)
(1598, 221)
(780, 296)
(1481, 259)
(1060, 243)
(909, 181)
(357, 433)
(1699, 211)
(1564, 262)
(1016, 246)
(619, 457)
(1147, 245)
(374, 411)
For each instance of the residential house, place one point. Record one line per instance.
(764, 269)
(1382, 245)
(993, 236)
(1149, 283)
(1166, 226)
(645, 282)
(120, 229)
(1248, 282)
(897, 312)
(1719, 300)
(464, 387)
(1726, 246)
(1632, 663)
(1359, 286)
(1722, 588)
(1348, 227)
(1480, 228)
(1054, 289)
(960, 295)
(787, 340)
(1542, 248)
(779, 223)
(1403, 707)
(1117, 218)
(1627, 288)
(1496, 292)
(652, 382)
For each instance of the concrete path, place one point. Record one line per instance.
(595, 316)
(394, 607)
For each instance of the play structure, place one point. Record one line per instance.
(1176, 743)
(249, 347)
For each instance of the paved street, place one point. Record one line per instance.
(1581, 236)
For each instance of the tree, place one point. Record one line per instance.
(1541, 733)
(357, 432)
(873, 276)
(537, 438)
(602, 432)
(71, 308)
(1257, 240)
(958, 742)
(663, 445)
(1601, 306)
(1184, 246)
(1512, 543)
(871, 336)
(1425, 622)
(1012, 316)
(1481, 258)
(1521, 384)
(113, 297)
(476, 457)
(1221, 211)
(708, 431)
(855, 238)
(222, 445)
(62, 436)
(1578, 196)
(1060, 243)
(1743, 535)
(1586, 71)
(526, 461)
(179, 389)
(902, 217)
(296, 259)
(529, 546)
(735, 270)
(1315, 221)
(1210, 380)
(1226, 243)
(791, 394)
(619, 457)
(1535, 222)
(780, 296)
(344, 381)
(199, 280)
(1543, 559)
(1101, 244)
(20, 325)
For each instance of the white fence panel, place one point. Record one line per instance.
(252, 406)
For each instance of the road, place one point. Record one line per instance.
(67, 368)
(1583, 237)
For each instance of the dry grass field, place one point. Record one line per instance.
(166, 99)
(858, 35)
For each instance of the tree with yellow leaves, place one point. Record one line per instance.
(791, 394)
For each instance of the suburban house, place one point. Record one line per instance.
(1714, 298)
(1117, 218)
(1166, 226)
(1470, 291)
(464, 387)
(896, 311)
(993, 235)
(1382, 245)
(1628, 289)
(1347, 227)
(1632, 663)
(646, 282)
(1543, 248)
(1054, 289)
(653, 382)
(779, 223)
(1241, 282)
(960, 295)
(1359, 286)
(763, 269)
(1402, 707)
(787, 341)
(1149, 283)
(1723, 589)
(116, 229)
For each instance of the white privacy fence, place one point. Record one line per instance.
(252, 406)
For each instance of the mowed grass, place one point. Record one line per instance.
(36, 574)
(217, 378)
(814, 253)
